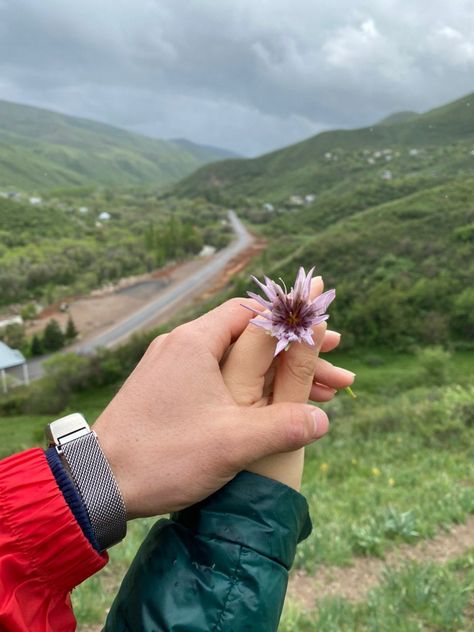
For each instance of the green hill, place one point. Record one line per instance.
(389, 222)
(398, 117)
(41, 150)
(403, 269)
(438, 142)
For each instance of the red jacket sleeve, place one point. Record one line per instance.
(43, 551)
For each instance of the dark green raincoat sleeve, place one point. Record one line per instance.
(220, 565)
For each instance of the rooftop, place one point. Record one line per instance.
(10, 357)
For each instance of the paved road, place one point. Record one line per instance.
(172, 295)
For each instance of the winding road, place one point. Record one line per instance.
(167, 298)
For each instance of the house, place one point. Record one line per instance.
(413, 152)
(309, 199)
(104, 216)
(35, 201)
(268, 207)
(10, 359)
(83, 210)
(207, 251)
(13, 320)
(297, 200)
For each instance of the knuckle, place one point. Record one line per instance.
(183, 336)
(157, 342)
(301, 367)
(296, 428)
(235, 302)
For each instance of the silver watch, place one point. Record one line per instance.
(83, 458)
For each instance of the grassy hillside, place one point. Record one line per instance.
(40, 150)
(61, 247)
(390, 222)
(360, 483)
(436, 143)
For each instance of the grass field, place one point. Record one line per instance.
(397, 468)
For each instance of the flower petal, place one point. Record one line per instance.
(264, 324)
(321, 303)
(255, 311)
(281, 344)
(259, 299)
(267, 289)
(307, 284)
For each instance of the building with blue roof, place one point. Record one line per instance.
(10, 359)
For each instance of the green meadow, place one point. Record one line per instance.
(396, 469)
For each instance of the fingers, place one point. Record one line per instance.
(331, 341)
(224, 324)
(246, 365)
(260, 432)
(295, 370)
(251, 356)
(333, 376)
(321, 393)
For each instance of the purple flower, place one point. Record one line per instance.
(290, 316)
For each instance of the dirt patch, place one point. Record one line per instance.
(354, 582)
(102, 308)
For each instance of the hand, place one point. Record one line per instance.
(254, 377)
(174, 434)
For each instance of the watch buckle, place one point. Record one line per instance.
(66, 429)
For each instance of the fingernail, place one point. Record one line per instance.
(320, 420)
(346, 373)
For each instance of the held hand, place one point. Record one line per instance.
(254, 378)
(174, 434)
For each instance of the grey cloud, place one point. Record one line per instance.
(245, 75)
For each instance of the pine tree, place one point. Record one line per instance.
(53, 337)
(71, 331)
(36, 346)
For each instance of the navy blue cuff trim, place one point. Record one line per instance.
(71, 495)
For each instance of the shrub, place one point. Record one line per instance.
(433, 365)
(53, 337)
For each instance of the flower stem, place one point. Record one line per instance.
(350, 392)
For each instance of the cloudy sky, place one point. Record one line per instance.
(248, 75)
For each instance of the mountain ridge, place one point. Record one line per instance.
(313, 163)
(43, 149)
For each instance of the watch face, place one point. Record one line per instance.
(66, 429)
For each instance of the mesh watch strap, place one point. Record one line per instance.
(99, 490)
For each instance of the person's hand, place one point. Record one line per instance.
(174, 434)
(255, 378)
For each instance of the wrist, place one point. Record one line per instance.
(89, 470)
(286, 467)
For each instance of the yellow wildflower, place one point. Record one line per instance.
(391, 482)
(375, 471)
(324, 467)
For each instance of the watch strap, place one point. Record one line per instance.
(98, 488)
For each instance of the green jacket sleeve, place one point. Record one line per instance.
(220, 565)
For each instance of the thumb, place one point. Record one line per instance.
(277, 428)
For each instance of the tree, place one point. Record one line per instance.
(14, 336)
(36, 346)
(53, 337)
(71, 331)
